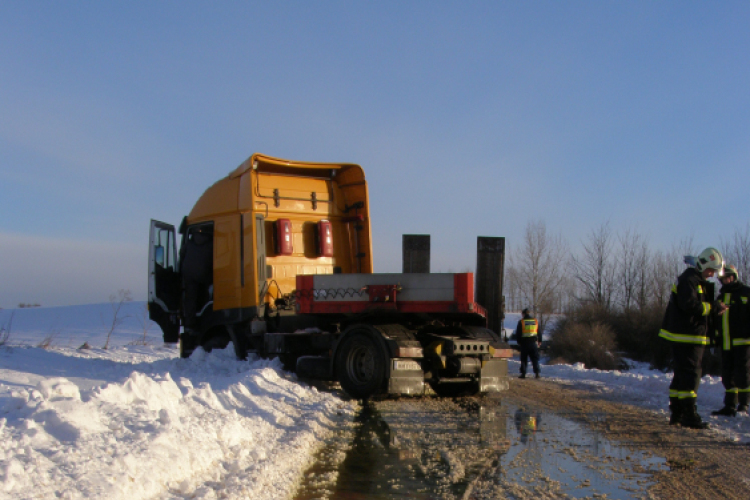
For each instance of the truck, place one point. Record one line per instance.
(276, 259)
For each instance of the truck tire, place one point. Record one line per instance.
(361, 365)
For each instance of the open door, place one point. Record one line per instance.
(164, 280)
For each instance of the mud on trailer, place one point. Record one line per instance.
(276, 258)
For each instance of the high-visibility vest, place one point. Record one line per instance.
(530, 328)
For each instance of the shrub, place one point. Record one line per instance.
(637, 334)
(592, 344)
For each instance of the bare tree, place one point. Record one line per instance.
(665, 267)
(595, 269)
(513, 299)
(116, 301)
(538, 270)
(737, 251)
(629, 263)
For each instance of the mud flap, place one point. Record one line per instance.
(406, 377)
(494, 376)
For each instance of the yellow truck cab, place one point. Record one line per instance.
(248, 237)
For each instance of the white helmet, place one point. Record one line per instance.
(710, 258)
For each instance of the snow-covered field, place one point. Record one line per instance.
(136, 421)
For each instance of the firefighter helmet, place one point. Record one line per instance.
(730, 270)
(710, 258)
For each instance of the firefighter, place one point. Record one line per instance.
(733, 337)
(527, 336)
(685, 325)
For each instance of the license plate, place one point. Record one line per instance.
(406, 364)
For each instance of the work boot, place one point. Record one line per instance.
(675, 410)
(727, 411)
(744, 400)
(523, 375)
(730, 403)
(690, 417)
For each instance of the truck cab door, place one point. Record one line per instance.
(164, 283)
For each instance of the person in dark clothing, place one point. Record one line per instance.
(685, 325)
(527, 336)
(733, 338)
(197, 271)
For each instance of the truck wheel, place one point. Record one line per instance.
(361, 365)
(456, 389)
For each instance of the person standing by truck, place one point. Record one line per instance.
(527, 336)
(685, 325)
(733, 338)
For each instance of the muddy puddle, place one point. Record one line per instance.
(434, 448)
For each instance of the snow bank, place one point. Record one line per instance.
(205, 427)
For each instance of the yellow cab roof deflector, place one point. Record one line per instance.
(259, 160)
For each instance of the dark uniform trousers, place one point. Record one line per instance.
(687, 371)
(529, 349)
(735, 375)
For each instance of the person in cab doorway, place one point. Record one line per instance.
(527, 336)
(686, 327)
(733, 338)
(196, 257)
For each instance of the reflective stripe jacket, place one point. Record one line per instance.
(733, 327)
(689, 308)
(527, 327)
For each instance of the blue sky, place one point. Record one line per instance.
(470, 118)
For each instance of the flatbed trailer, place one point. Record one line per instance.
(398, 334)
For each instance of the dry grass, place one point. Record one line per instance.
(47, 341)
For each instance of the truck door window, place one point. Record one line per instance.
(161, 256)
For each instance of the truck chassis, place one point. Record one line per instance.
(393, 334)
